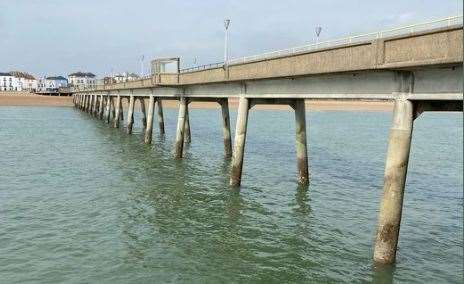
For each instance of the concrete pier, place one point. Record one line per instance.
(160, 116)
(116, 117)
(226, 127)
(179, 145)
(301, 147)
(149, 128)
(366, 69)
(130, 115)
(239, 144)
(187, 135)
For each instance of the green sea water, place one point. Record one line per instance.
(81, 202)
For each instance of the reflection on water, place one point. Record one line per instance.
(82, 202)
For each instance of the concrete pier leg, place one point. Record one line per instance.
(239, 144)
(149, 128)
(108, 109)
(144, 113)
(94, 106)
(130, 115)
(89, 103)
(187, 136)
(117, 111)
(89, 110)
(101, 110)
(179, 146)
(113, 109)
(396, 167)
(160, 116)
(301, 145)
(121, 112)
(226, 127)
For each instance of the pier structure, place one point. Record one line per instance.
(419, 70)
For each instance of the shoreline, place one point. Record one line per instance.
(28, 99)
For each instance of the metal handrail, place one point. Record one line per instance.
(202, 67)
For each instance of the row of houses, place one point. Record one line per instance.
(22, 81)
(17, 81)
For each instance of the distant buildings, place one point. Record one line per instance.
(17, 81)
(82, 80)
(26, 81)
(120, 78)
(52, 84)
(8, 82)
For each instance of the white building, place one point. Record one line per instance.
(125, 77)
(8, 82)
(51, 84)
(82, 80)
(26, 81)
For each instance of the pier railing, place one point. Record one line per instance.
(404, 30)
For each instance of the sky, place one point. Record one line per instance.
(58, 37)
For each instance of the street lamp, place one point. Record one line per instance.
(226, 41)
(141, 65)
(318, 32)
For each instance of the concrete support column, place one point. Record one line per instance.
(396, 167)
(108, 109)
(149, 128)
(144, 113)
(94, 107)
(301, 145)
(113, 109)
(180, 131)
(187, 136)
(117, 111)
(160, 116)
(130, 115)
(89, 103)
(101, 110)
(226, 127)
(121, 112)
(239, 144)
(89, 110)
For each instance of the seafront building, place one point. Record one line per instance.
(8, 82)
(25, 81)
(17, 81)
(51, 84)
(120, 78)
(81, 80)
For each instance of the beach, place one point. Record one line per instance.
(29, 99)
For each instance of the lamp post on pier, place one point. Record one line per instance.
(226, 41)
